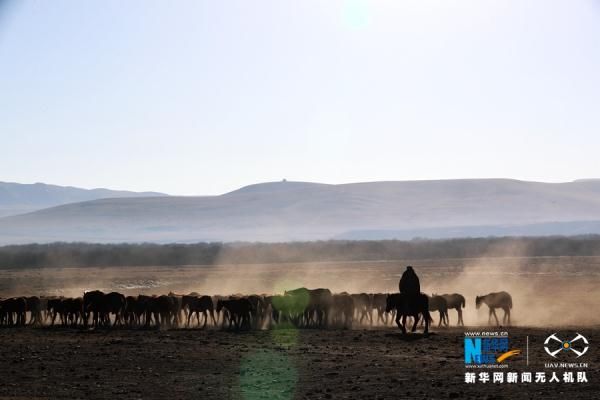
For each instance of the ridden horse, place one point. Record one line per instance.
(496, 300)
(457, 302)
(409, 306)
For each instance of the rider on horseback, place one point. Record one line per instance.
(409, 283)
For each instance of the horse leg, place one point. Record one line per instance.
(414, 328)
(223, 320)
(441, 318)
(205, 318)
(490, 317)
(403, 324)
(460, 320)
(495, 317)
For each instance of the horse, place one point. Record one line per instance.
(362, 307)
(72, 309)
(342, 310)
(501, 300)
(457, 302)
(14, 311)
(288, 308)
(409, 306)
(438, 303)
(34, 306)
(258, 310)
(240, 311)
(318, 303)
(167, 308)
(54, 308)
(378, 301)
(131, 303)
(197, 305)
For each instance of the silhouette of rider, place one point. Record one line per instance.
(409, 283)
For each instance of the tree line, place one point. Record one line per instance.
(149, 254)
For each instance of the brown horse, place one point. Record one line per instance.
(501, 300)
(457, 302)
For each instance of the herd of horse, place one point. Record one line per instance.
(300, 308)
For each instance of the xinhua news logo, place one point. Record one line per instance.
(488, 349)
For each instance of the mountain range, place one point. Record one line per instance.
(18, 198)
(287, 211)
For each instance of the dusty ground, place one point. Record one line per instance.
(55, 363)
(50, 363)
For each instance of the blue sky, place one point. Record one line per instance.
(201, 97)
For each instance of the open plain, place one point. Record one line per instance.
(550, 295)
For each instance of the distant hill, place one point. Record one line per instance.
(288, 211)
(17, 198)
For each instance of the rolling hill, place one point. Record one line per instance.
(284, 211)
(18, 198)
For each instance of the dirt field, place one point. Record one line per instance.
(287, 364)
(549, 295)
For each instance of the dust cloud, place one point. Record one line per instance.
(546, 291)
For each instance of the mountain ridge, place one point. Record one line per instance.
(20, 198)
(288, 211)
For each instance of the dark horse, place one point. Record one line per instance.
(197, 305)
(240, 311)
(317, 305)
(413, 306)
(496, 300)
(457, 302)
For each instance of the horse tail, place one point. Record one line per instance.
(510, 301)
(462, 301)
